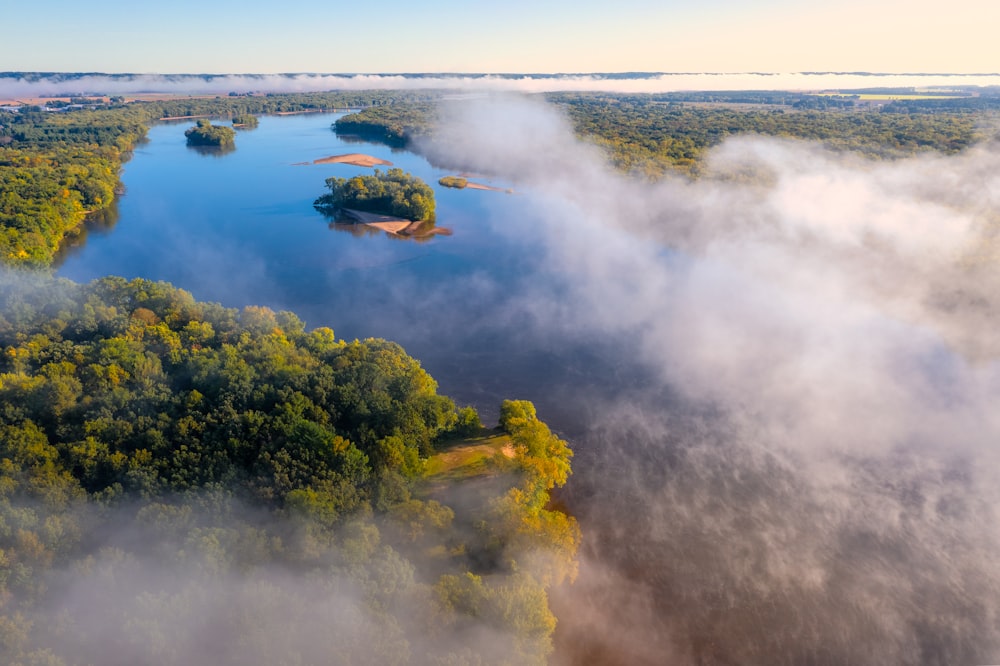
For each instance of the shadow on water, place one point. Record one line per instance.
(213, 151)
(97, 223)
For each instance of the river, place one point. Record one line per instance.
(239, 228)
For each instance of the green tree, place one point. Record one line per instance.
(393, 192)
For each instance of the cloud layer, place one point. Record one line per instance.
(74, 84)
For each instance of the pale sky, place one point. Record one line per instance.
(224, 36)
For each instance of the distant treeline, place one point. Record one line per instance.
(394, 125)
(645, 135)
(660, 133)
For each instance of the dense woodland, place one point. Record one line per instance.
(393, 192)
(156, 451)
(394, 125)
(204, 133)
(657, 134)
(645, 135)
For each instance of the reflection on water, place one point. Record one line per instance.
(213, 151)
(421, 232)
(97, 223)
(353, 139)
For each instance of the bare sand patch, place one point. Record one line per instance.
(355, 159)
(489, 188)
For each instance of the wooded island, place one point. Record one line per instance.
(207, 134)
(393, 192)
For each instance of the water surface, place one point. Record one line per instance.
(239, 228)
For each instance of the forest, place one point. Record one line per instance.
(652, 135)
(142, 431)
(393, 192)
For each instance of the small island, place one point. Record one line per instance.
(461, 183)
(207, 134)
(456, 182)
(245, 121)
(391, 193)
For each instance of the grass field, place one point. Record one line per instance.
(469, 457)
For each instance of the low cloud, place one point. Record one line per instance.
(38, 85)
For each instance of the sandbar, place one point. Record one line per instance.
(480, 186)
(355, 159)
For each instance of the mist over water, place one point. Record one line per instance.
(812, 475)
(780, 380)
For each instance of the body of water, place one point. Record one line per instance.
(239, 228)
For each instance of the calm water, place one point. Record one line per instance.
(239, 228)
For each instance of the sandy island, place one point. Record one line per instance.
(469, 185)
(355, 159)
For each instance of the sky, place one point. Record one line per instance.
(514, 36)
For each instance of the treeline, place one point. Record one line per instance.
(54, 169)
(650, 137)
(285, 102)
(393, 192)
(226, 482)
(394, 125)
(657, 134)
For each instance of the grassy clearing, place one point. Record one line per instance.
(469, 457)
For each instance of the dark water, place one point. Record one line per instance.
(239, 228)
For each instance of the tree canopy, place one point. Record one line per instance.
(393, 192)
(246, 121)
(204, 133)
(172, 459)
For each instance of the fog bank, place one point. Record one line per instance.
(814, 478)
(15, 85)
